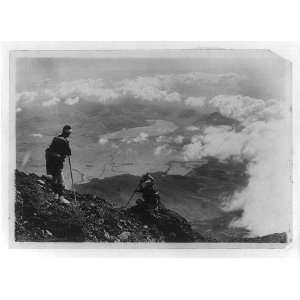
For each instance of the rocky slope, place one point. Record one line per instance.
(90, 218)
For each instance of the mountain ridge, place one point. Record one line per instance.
(38, 218)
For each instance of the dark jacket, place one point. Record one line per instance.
(149, 192)
(56, 154)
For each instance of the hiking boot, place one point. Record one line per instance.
(63, 200)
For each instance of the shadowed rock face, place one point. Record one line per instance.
(90, 218)
(39, 218)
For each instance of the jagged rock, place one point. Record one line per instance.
(173, 227)
(107, 235)
(124, 236)
(48, 232)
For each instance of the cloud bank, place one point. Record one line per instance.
(265, 143)
(167, 88)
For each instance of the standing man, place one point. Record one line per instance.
(55, 157)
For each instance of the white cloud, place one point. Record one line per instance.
(195, 101)
(105, 95)
(126, 140)
(247, 109)
(157, 87)
(142, 137)
(162, 150)
(91, 89)
(163, 139)
(38, 135)
(192, 128)
(103, 141)
(172, 97)
(147, 88)
(265, 143)
(72, 91)
(26, 97)
(178, 139)
(165, 87)
(220, 142)
(71, 101)
(51, 102)
(266, 200)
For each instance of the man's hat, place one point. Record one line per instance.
(147, 176)
(67, 127)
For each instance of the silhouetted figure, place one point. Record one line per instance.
(55, 157)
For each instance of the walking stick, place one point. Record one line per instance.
(130, 198)
(133, 193)
(72, 179)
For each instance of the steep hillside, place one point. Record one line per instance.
(39, 218)
(90, 218)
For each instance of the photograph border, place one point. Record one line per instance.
(12, 50)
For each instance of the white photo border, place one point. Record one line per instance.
(289, 51)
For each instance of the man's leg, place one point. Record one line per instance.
(61, 187)
(60, 183)
(55, 185)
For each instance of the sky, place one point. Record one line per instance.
(265, 72)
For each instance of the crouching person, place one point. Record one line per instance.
(56, 154)
(149, 191)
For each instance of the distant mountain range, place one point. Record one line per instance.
(199, 195)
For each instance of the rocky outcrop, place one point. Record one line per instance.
(40, 218)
